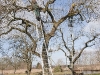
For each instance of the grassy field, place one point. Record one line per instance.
(59, 73)
(34, 72)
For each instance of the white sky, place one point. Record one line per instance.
(93, 26)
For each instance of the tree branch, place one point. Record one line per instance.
(6, 32)
(86, 45)
(51, 15)
(49, 12)
(25, 21)
(23, 31)
(55, 25)
(64, 41)
(63, 51)
(62, 19)
(47, 4)
(34, 42)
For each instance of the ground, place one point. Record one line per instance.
(34, 71)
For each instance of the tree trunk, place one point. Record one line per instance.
(28, 72)
(71, 67)
(45, 60)
(2, 71)
(29, 66)
(14, 70)
(72, 72)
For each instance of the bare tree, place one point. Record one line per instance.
(3, 63)
(83, 59)
(60, 62)
(97, 53)
(15, 63)
(71, 52)
(97, 56)
(22, 52)
(14, 18)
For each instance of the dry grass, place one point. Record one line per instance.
(34, 71)
(21, 71)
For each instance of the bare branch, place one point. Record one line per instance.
(10, 22)
(25, 21)
(35, 53)
(86, 45)
(34, 42)
(55, 25)
(52, 17)
(62, 19)
(6, 32)
(23, 31)
(64, 41)
(47, 4)
(63, 51)
(49, 12)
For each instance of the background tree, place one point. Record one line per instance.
(15, 63)
(60, 62)
(71, 52)
(3, 63)
(97, 53)
(84, 58)
(70, 45)
(22, 52)
(87, 58)
(38, 66)
(97, 56)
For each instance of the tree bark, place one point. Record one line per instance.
(45, 60)
(72, 68)
(2, 71)
(29, 69)
(29, 64)
(14, 70)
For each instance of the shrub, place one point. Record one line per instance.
(38, 66)
(58, 69)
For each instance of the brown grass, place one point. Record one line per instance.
(20, 71)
